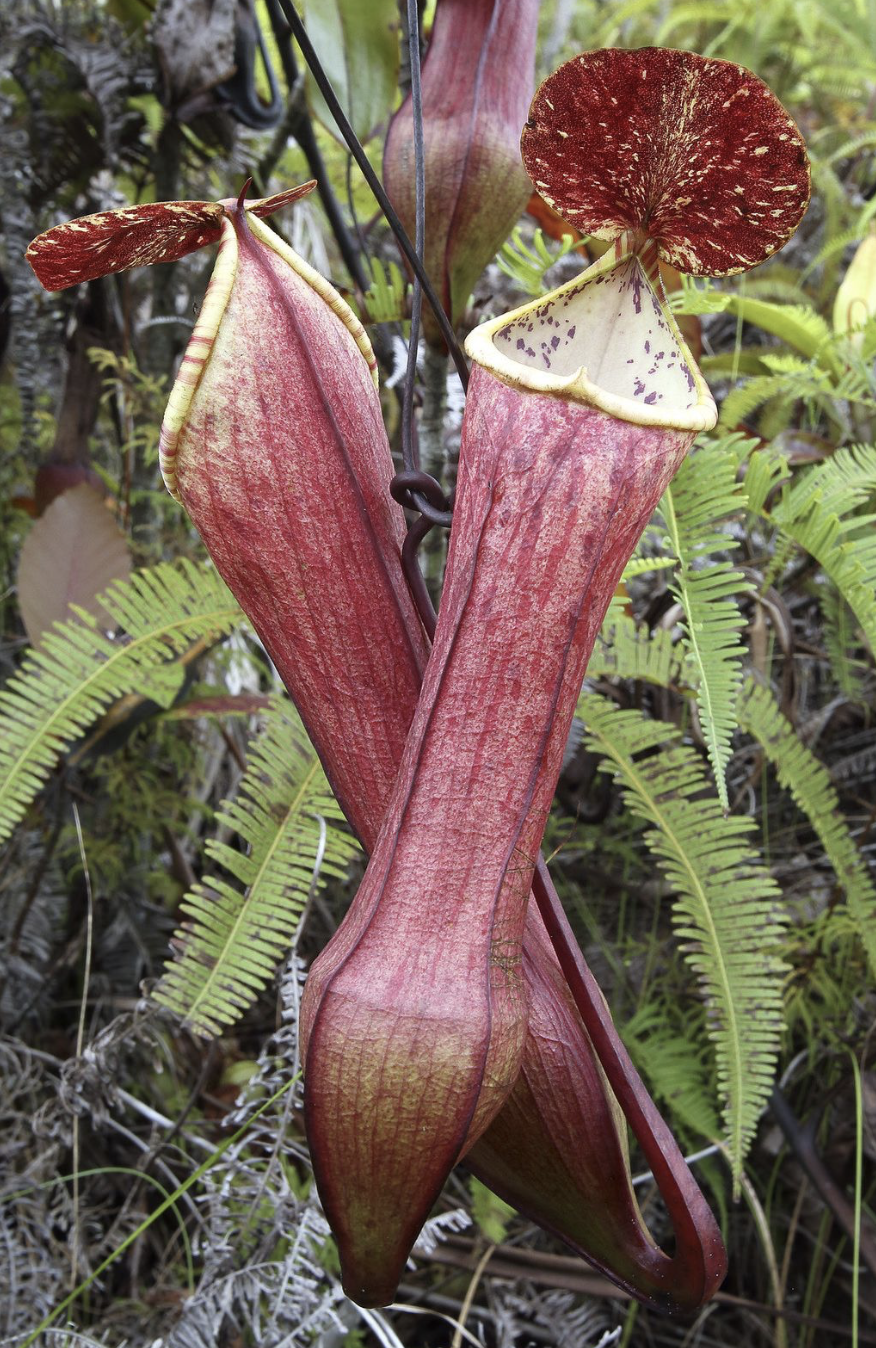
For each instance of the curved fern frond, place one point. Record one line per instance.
(798, 325)
(705, 490)
(642, 566)
(675, 1065)
(727, 906)
(863, 140)
(815, 514)
(842, 483)
(527, 265)
(625, 650)
(236, 935)
(785, 386)
(847, 557)
(77, 672)
(840, 642)
(808, 781)
(764, 471)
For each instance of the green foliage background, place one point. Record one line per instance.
(713, 833)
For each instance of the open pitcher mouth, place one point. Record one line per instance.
(605, 339)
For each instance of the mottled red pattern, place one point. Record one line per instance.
(136, 236)
(697, 154)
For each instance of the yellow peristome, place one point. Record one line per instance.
(197, 354)
(685, 400)
(212, 309)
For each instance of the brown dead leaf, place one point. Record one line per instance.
(70, 556)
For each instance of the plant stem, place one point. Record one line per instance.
(433, 456)
(297, 124)
(376, 186)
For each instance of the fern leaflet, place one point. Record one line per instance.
(840, 641)
(787, 386)
(845, 549)
(527, 266)
(625, 650)
(727, 906)
(844, 481)
(706, 489)
(236, 935)
(674, 1065)
(808, 781)
(65, 685)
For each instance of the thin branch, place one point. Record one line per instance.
(300, 127)
(410, 457)
(375, 184)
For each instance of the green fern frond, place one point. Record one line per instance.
(705, 490)
(625, 650)
(856, 386)
(840, 642)
(64, 686)
(774, 288)
(698, 13)
(765, 469)
(845, 549)
(527, 265)
(844, 481)
(697, 297)
(808, 781)
(847, 83)
(236, 934)
(386, 299)
(835, 247)
(616, 20)
(641, 566)
(799, 326)
(851, 148)
(727, 906)
(741, 402)
(674, 1065)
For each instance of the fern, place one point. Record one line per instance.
(844, 481)
(674, 1066)
(527, 266)
(63, 687)
(386, 299)
(808, 781)
(839, 642)
(843, 545)
(787, 386)
(287, 819)
(764, 470)
(643, 566)
(627, 651)
(704, 490)
(726, 906)
(849, 562)
(798, 325)
(851, 148)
